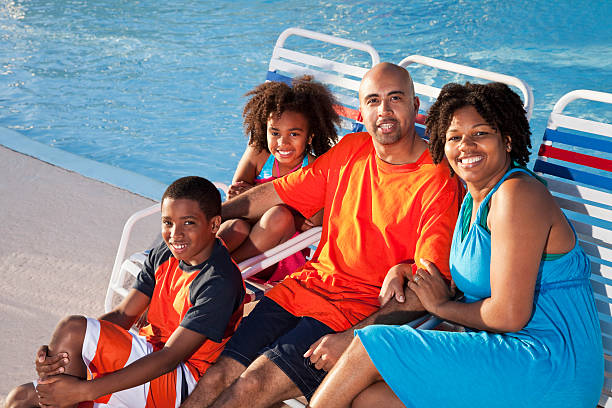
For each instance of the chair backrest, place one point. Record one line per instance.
(341, 77)
(432, 92)
(575, 158)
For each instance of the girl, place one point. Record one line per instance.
(288, 126)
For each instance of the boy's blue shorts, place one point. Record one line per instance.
(283, 338)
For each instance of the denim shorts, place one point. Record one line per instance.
(283, 338)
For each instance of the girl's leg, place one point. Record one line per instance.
(351, 375)
(274, 227)
(233, 233)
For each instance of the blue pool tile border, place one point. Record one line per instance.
(124, 179)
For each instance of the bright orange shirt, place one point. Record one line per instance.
(376, 216)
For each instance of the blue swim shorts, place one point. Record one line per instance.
(283, 338)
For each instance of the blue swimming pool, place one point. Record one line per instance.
(156, 87)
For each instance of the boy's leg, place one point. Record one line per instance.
(67, 337)
(22, 396)
(266, 322)
(281, 372)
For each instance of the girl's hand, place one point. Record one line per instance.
(61, 390)
(238, 188)
(430, 287)
(394, 283)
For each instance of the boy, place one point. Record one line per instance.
(193, 292)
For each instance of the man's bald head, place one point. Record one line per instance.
(386, 69)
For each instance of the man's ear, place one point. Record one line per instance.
(417, 103)
(215, 223)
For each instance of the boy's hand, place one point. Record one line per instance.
(47, 365)
(61, 391)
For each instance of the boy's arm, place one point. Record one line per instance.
(126, 313)
(67, 390)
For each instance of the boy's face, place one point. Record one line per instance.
(187, 231)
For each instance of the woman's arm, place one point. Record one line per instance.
(520, 219)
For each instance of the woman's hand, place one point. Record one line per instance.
(238, 188)
(394, 283)
(430, 287)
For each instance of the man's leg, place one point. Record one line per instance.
(281, 372)
(67, 337)
(262, 384)
(266, 322)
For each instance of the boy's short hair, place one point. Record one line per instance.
(198, 189)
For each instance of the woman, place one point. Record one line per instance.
(534, 337)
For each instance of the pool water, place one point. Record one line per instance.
(157, 87)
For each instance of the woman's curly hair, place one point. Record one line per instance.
(311, 99)
(498, 105)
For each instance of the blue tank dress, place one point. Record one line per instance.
(556, 360)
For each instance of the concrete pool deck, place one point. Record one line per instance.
(59, 235)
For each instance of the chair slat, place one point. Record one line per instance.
(319, 75)
(575, 157)
(573, 139)
(588, 179)
(579, 193)
(295, 56)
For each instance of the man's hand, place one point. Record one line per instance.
(394, 283)
(47, 365)
(61, 391)
(327, 350)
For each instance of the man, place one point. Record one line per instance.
(385, 204)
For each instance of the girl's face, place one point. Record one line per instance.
(288, 136)
(476, 150)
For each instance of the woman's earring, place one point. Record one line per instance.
(508, 147)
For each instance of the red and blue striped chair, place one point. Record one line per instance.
(575, 159)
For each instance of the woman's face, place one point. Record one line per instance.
(475, 149)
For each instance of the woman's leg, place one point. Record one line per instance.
(274, 227)
(377, 394)
(233, 233)
(351, 375)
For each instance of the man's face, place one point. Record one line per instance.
(387, 105)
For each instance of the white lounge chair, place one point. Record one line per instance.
(575, 158)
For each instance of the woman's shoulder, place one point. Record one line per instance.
(523, 191)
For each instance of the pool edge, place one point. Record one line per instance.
(115, 176)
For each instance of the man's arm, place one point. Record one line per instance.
(251, 204)
(66, 390)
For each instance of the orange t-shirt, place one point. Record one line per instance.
(376, 216)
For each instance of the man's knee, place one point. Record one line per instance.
(22, 396)
(223, 373)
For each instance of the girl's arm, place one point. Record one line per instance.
(521, 216)
(249, 166)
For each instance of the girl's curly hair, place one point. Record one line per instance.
(311, 99)
(498, 105)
